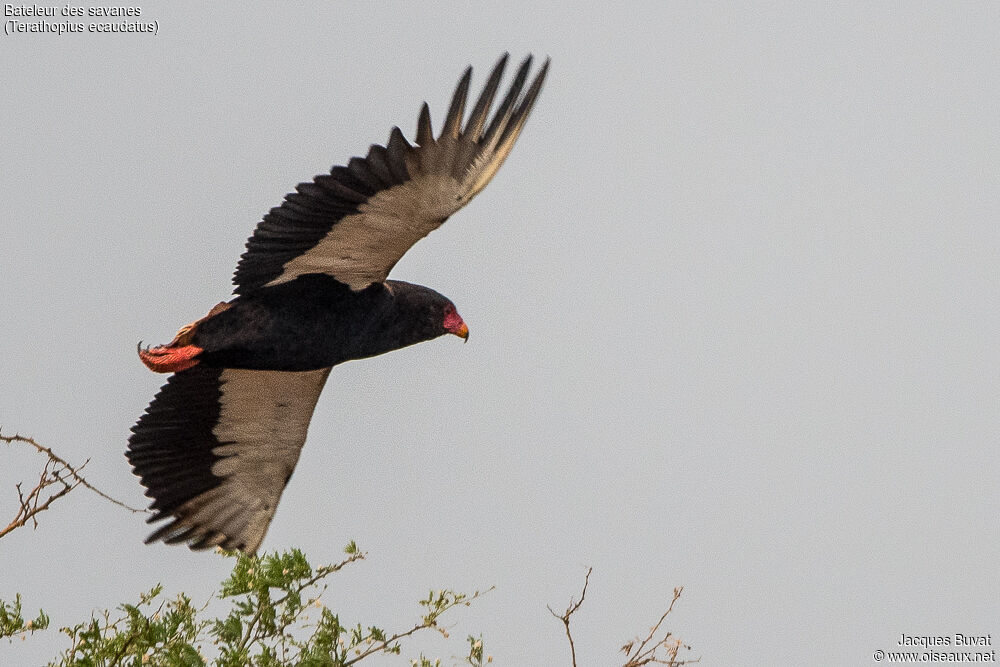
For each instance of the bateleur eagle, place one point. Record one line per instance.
(218, 443)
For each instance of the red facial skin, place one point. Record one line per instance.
(454, 324)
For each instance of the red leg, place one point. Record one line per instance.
(168, 359)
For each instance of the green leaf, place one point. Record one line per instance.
(263, 620)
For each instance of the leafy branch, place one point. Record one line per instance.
(261, 622)
(12, 623)
(267, 624)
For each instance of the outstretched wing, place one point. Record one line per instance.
(216, 448)
(356, 222)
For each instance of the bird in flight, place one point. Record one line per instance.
(218, 443)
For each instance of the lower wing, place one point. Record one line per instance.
(216, 448)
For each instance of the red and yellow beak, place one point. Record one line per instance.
(454, 324)
(462, 331)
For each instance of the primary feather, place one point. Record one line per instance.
(218, 444)
(356, 222)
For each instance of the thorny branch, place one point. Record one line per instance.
(57, 479)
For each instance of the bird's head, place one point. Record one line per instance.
(419, 313)
(453, 322)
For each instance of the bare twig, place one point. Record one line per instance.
(646, 653)
(428, 621)
(32, 503)
(570, 610)
(57, 472)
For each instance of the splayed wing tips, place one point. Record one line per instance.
(528, 101)
(356, 222)
(425, 132)
(502, 115)
(477, 119)
(499, 140)
(453, 121)
(466, 150)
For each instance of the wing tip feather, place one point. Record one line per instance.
(453, 121)
(425, 131)
(471, 157)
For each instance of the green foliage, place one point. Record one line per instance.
(164, 635)
(269, 599)
(475, 657)
(12, 623)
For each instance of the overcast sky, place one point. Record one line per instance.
(733, 302)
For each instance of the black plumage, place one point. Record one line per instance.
(218, 443)
(315, 322)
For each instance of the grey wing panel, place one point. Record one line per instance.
(216, 448)
(358, 221)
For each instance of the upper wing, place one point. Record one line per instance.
(357, 221)
(216, 448)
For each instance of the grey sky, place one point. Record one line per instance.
(733, 302)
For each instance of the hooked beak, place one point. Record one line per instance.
(454, 324)
(462, 331)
